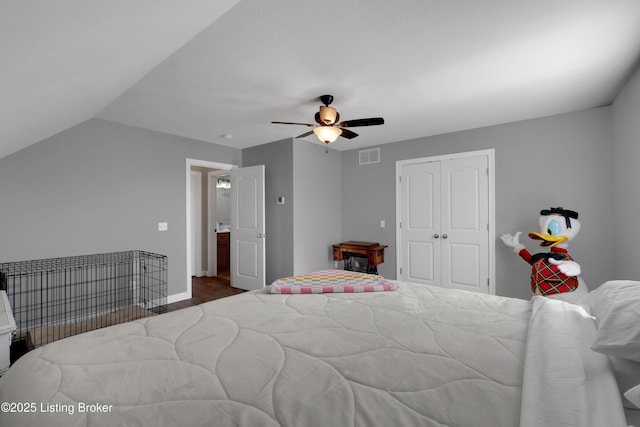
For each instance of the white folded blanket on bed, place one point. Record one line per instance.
(565, 383)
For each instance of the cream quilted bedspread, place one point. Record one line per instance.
(417, 356)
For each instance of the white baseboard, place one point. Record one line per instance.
(177, 297)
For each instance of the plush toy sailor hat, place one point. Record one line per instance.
(557, 226)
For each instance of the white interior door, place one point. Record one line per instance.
(420, 223)
(465, 224)
(444, 211)
(247, 228)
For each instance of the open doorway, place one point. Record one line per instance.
(203, 221)
(219, 214)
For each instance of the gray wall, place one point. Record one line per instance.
(626, 176)
(317, 186)
(300, 232)
(277, 157)
(101, 187)
(562, 160)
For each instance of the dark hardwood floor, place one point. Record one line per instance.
(204, 289)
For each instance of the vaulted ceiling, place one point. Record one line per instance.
(208, 70)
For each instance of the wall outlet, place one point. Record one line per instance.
(383, 224)
(163, 226)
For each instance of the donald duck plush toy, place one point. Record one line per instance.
(552, 272)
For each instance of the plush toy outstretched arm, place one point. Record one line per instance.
(513, 242)
(566, 267)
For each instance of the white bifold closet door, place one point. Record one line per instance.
(444, 223)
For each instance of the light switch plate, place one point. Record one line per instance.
(163, 226)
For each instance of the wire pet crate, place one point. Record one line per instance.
(59, 297)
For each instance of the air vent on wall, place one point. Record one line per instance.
(369, 156)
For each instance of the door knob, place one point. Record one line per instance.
(444, 236)
(435, 236)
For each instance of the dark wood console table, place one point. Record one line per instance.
(374, 252)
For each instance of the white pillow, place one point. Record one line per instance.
(633, 395)
(627, 373)
(616, 307)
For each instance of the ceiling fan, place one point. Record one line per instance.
(328, 128)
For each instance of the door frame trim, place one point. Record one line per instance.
(202, 163)
(196, 199)
(490, 154)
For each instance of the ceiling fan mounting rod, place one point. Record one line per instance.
(326, 99)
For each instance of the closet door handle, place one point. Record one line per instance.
(444, 236)
(435, 236)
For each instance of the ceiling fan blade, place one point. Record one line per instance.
(293, 123)
(362, 122)
(349, 134)
(305, 134)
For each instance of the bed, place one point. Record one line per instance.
(413, 356)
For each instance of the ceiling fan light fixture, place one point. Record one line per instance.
(329, 127)
(327, 134)
(328, 115)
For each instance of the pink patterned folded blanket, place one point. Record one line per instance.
(331, 281)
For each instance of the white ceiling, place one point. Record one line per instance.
(203, 69)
